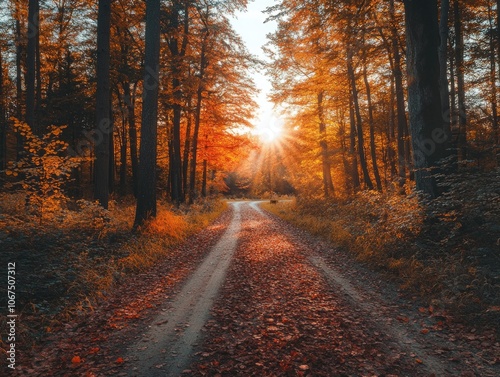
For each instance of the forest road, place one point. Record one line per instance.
(171, 338)
(269, 300)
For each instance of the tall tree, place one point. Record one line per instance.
(498, 39)
(328, 188)
(146, 200)
(443, 64)
(402, 123)
(358, 119)
(177, 43)
(33, 32)
(352, 148)
(203, 64)
(460, 72)
(103, 121)
(3, 113)
(371, 122)
(424, 97)
(493, 84)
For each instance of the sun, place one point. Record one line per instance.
(270, 130)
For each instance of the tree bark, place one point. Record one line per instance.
(493, 88)
(146, 199)
(328, 188)
(373, 150)
(359, 127)
(197, 118)
(132, 130)
(391, 132)
(123, 158)
(3, 120)
(352, 149)
(187, 146)
(111, 160)
(19, 80)
(424, 97)
(103, 122)
(400, 101)
(31, 64)
(498, 40)
(204, 179)
(443, 65)
(460, 71)
(177, 56)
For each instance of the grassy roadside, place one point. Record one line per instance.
(71, 261)
(430, 255)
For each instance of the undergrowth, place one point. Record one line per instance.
(66, 265)
(446, 250)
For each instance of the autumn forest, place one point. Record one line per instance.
(139, 177)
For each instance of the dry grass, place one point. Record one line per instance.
(397, 235)
(68, 264)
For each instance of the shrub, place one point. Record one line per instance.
(44, 168)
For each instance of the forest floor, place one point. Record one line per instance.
(253, 296)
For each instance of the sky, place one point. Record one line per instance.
(252, 29)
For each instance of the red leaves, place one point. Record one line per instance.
(403, 319)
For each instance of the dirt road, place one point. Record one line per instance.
(172, 337)
(284, 309)
(253, 296)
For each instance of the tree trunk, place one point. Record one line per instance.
(498, 40)
(103, 123)
(460, 70)
(493, 89)
(146, 199)
(359, 129)
(38, 79)
(19, 81)
(424, 97)
(123, 158)
(400, 101)
(111, 181)
(187, 146)
(31, 65)
(3, 120)
(352, 149)
(443, 65)
(391, 132)
(197, 118)
(345, 159)
(373, 149)
(328, 188)
(177, 56)
(204, 179)
(129, 97)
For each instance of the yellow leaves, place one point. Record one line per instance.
(45, 166)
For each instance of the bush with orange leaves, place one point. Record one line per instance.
(43, 169)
